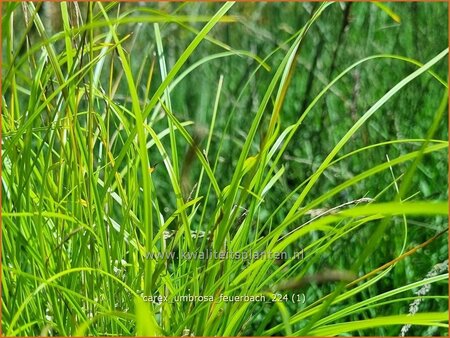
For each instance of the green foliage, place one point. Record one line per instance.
(147, 148)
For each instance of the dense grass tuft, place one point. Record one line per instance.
(224, 169)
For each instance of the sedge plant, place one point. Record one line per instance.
(122, 215)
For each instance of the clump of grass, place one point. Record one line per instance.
(103, 169)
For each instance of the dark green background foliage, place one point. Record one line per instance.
(35, 247)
